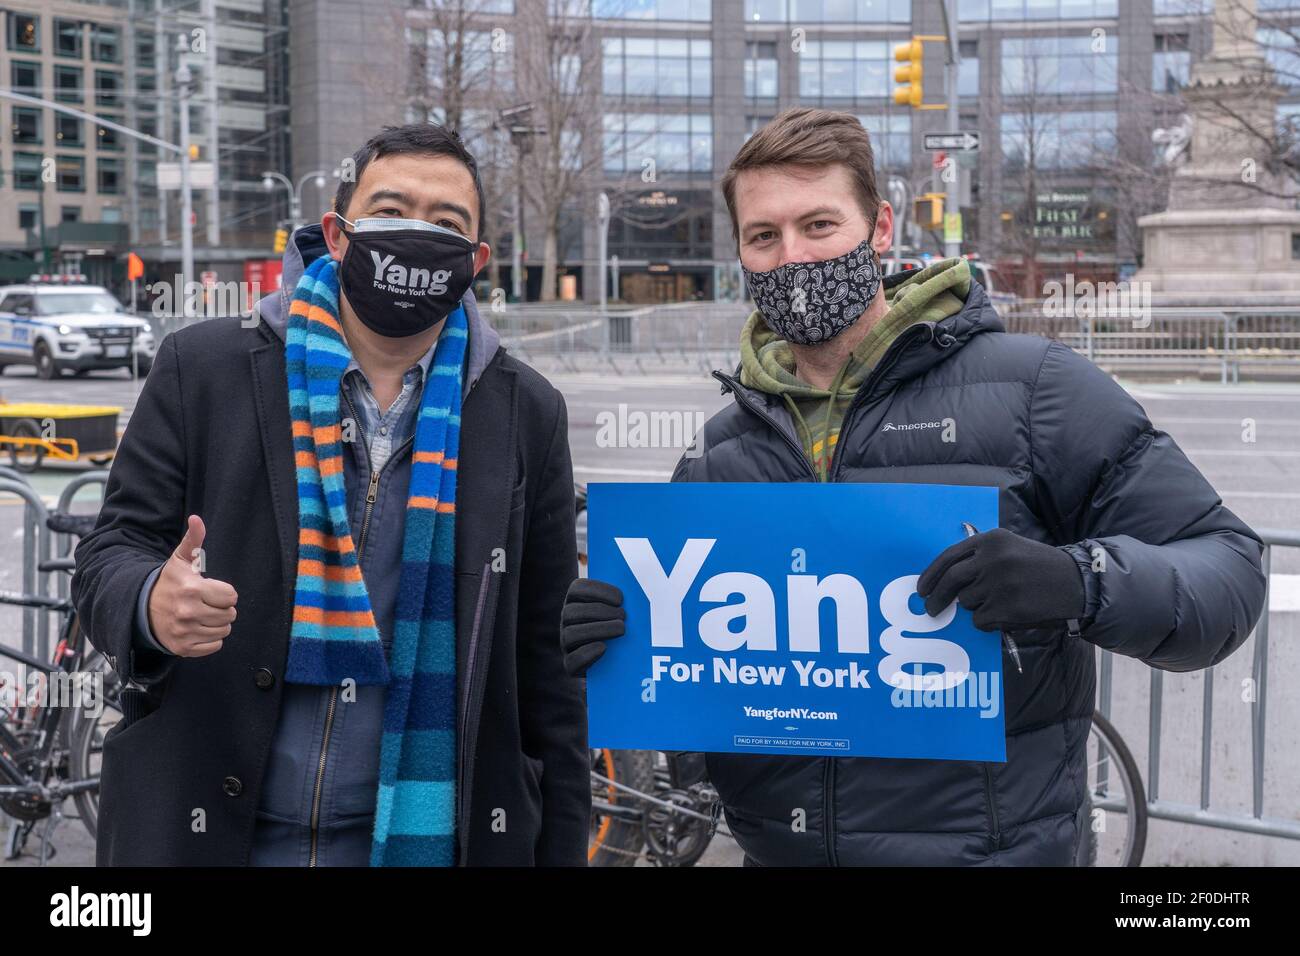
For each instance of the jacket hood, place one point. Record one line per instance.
(307, 245)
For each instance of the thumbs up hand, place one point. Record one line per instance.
(189, 614)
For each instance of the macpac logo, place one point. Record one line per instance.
(103, 909)
(397, 278)
(891, 427)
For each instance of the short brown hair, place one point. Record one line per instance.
(814, 139)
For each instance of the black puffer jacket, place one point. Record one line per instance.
(1080, 466)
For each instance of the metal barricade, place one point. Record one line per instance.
(1202, 814)
(1260, 340)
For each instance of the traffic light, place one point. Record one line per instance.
(194, 150)
(910, 74)
(927, 210)
(281, 240)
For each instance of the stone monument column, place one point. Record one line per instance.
(1232, 228)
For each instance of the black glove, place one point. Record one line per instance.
(593, 613)
(1007, 582)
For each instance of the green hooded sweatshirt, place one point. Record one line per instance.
(767, 362)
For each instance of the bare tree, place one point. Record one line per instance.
(460, 71)
(1034, 126)
(558, 73)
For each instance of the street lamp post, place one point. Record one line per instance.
(184, 91)
(602, 213)
(952, 60)
(513, 120)
(270, 177)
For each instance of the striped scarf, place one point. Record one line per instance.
(333, 636)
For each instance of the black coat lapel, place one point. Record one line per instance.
(271, 397)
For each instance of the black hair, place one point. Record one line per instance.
(412, 138)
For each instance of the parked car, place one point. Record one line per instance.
(999, 293)
(893, 264)
(60, 322)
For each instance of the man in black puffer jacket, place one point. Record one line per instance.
(1109, 536)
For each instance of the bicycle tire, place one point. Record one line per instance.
(614, 841)
(1134, 789)
(82, 748)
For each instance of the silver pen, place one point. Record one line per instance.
(1014, 651)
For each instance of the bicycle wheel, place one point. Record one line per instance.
(617, 839)
(1115, 830)
(86, 742)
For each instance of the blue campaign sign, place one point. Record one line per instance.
(782, 619)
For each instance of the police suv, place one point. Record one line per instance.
(57, 322)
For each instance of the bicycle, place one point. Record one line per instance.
(652, 804)
(48, 748)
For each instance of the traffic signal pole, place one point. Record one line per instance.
(911, 94)
(952, 202)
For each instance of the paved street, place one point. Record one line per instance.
(1258, 479)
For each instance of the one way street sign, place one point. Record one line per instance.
(965, 140)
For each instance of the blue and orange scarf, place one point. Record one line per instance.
(333, 637)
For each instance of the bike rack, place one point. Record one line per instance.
(38, 542)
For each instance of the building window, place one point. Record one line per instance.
(661, 224)
(108, 88)
(70, 214)
(968, 73)
(68, 83)
(760, 70)
(67, 38)
(28, 217)
(1281, 48)
(1295, 245)
(891, 139)
(844, 69)
(27, 171)
(109, 172)
(146, 56)
(668, 143)
(1058, 140)
(24, 32)
(984, 10)
(657, 66)
(109, 139)
(485, 62)
(1171, 64)
(67, 130)
(105, 44)
(28, 126)
(1038, 66)
(148, 126)
(26, 77)
(71, 174)
(828, 11)
(644, 9)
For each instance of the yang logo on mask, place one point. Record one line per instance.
(395, 277)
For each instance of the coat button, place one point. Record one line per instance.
(232, 786)
(264, 678)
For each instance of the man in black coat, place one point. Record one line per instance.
(1109, 536)
(187, 582)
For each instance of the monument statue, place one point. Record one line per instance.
(1232, 226)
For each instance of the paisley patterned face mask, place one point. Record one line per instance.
(812, 302)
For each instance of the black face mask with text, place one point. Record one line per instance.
(404, 276)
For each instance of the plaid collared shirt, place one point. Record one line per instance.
(384, 431)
